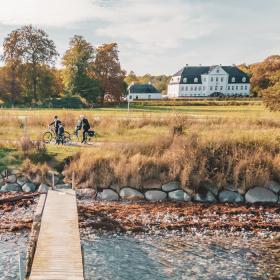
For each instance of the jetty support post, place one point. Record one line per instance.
(73, 180)
(21, 267)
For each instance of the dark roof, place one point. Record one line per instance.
(192, 72)
(143, 88)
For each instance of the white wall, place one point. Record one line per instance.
(133, 96)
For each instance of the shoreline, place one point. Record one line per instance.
(152, 217)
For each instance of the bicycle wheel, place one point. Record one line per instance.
(47, 137)
(67, 140)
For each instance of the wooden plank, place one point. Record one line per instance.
(58, 254)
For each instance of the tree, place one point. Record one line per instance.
(108, 72)
(271, 97)
(30, 46)
(78, 62)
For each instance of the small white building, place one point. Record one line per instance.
(143, 92)
(209, 81)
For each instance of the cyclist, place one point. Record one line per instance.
(83, 124)
(60, 134)
(56, 122)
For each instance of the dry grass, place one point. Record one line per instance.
(189, 159)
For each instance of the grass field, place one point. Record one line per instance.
(247, 129)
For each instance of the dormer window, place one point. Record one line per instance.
(196, 80)
(185, 80)
(218, 71)
(244, 79)
(233, 80)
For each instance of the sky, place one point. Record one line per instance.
(157, 36)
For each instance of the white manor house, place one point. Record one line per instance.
(209, 81)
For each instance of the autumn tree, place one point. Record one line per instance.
(78, 61)
(108, 72)
(28, 46)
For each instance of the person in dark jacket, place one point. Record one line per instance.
(56, 122)
(60, 134)
(83, 124)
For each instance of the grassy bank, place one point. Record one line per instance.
(216, 145)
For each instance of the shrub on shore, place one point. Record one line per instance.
(243, 163)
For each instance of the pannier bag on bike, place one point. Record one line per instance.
(91, 133)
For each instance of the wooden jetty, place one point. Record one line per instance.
(58, 254)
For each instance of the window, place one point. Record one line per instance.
(136, 96)
(195, 88)
(187, 88)
(218, 71)
(211, 88)
(199, 88)
(182, 88)
(228, 88)
(232, 87)
(185, 80)
(241, 87)
(130, 96)
(217, 79)
(222, 79)
(212, 79)
(221, 88)
(246, 87)
(233, 80)
(203, 88)
(244, 79)
(191, 88)
(216, 88)
(195, 80)
(149, 96)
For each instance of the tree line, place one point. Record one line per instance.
(29, 75)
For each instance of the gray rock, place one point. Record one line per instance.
(152, 184)
(131, 194)
(86, 193)
(207, 197)
(21, 181)
(273, 186)
(259, 194)
(155, 195)
(229, 196)
(29, 187)
(11, 188)
(108, 194)
(171, 186)
(230, 187)
(116, 187)
(11, 179)
(179, 195)
(43, 188)
(63, 186)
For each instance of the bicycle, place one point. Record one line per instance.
(77, 137)
(50, 135)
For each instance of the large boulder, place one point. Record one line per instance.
(11, 179)
(131, 194)
(86, 193)
(171, 186)
(43, 188)
(229, 196)
(63, 186)
(179, 195)
(152, 184)
(115, 187)
(29, 187)
(259, 194)
(155, 195)
(108, 194)
(273, 186)
(207, 197)
(21, 181)
(11, 188)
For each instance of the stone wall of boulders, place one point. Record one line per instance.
(15, 181)
(152, 190)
